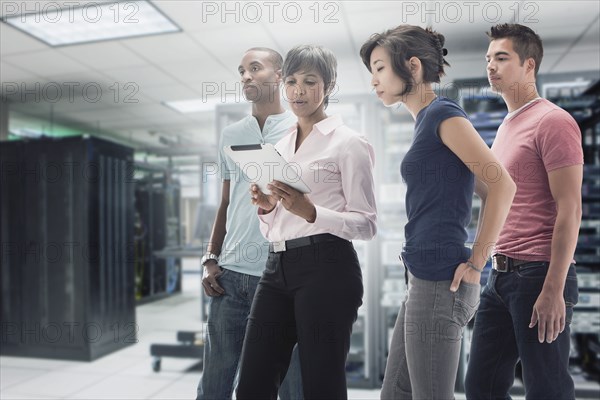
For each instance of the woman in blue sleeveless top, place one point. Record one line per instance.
(446, 162)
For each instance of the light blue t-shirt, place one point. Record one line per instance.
(245, 249)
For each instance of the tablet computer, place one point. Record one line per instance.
(262, 164)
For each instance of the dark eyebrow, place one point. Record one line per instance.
(241, 67)
(498, 53)
(306, 76)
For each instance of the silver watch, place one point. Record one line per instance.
(207, 257)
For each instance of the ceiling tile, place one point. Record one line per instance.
(13, 41)
(93, 117)
(229, 52)
(102, 55)
(159, 49)
(12, 73)
(331, 35)
(83, 90)
(45, 62)
(204, 16)
(197, 70)
(168, 92)
(142, 76)
(186, 14)
(154, 111)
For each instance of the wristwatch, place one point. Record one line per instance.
(208, 256)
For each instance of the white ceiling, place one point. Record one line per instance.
(151, 70)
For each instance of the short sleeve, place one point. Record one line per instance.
(558, 140)
(449, 109)
(225, 164)
(444, 110)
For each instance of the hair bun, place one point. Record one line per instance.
(439, 37)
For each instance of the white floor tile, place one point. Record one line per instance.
(10, 376)
(57, 384)
(9, 395)
(171, 368)
(31, 362)
(107, 365)
(363, 394)
(182, 389)
(122, 387)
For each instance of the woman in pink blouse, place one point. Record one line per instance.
(312, 285)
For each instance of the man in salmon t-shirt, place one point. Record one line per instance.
(527, 305)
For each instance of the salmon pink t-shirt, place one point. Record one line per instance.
(535, 140)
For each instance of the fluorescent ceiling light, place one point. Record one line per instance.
(28, 133)
(198, 105)
(62, 25)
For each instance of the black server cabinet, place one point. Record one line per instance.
(66, 216)
(157, 229)
(585, 326)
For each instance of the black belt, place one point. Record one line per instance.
(278, 247)
(502, 263)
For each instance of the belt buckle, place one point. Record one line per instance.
(500, 264)
(278, 247)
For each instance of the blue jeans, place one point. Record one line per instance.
(425, 348)
(502, 336)
(227, 318)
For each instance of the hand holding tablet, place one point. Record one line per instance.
(262, 164)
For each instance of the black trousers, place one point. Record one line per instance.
(310, 296)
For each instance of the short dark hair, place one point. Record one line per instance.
(404, 42)
(274, 56)
(526, 42)
(304, 58)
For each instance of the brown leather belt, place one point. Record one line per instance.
(502, 263)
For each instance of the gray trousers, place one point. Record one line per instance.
(425, 348)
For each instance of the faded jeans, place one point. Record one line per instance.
(425, 349)
(502, 336)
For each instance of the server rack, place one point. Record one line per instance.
(584, 106)
(66, 207)
(157, 227)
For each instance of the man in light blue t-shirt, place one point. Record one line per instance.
(237, 251)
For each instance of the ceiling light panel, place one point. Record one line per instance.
(194, 105)
(73, 23)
